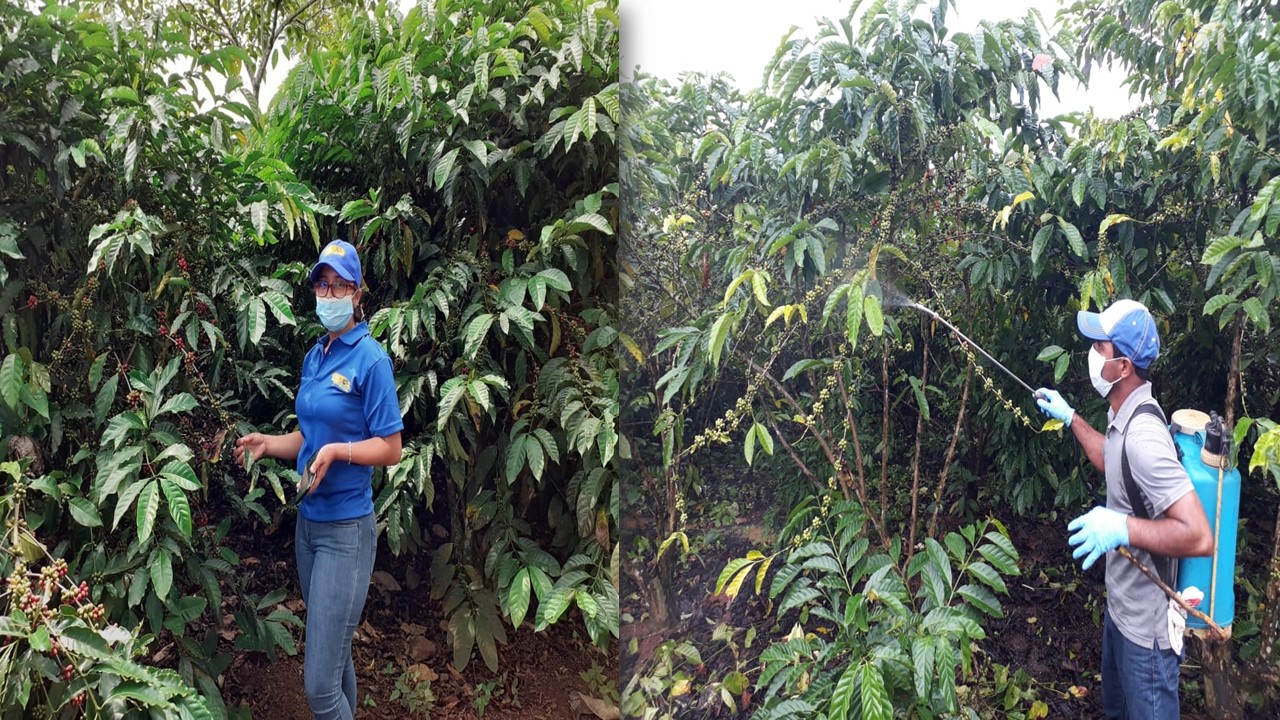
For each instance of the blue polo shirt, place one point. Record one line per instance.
(347, 394)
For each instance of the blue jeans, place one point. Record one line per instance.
(1137, 683)
(335, 562)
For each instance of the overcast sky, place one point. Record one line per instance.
(667, 37)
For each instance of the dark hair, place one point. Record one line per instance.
(1143, 373)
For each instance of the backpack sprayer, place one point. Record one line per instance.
(1203, 443)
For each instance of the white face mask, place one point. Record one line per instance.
(1096, 361)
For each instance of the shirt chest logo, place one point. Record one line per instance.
(341, 382)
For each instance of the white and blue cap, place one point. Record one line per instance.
(1128, 325)
(341, 256)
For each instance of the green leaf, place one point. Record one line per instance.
(537, 460)
(161, 569)
(518, 597)
(553, 606)
(875, 316)
(766, 440)
(84, 512)
(719, 331)
(1073, 238)
(475, 335)
(749, 446)
(556, 279)
(1218, 248)
(988, 576)
(842, 698)
(745, 276)
(450, 393)
(258, 215)
(95, 370)
(1050, 353)
(1060, 367)
(800, 366)
(981, 598)
(121, 92)
(148, 506)
(444, 168)
(596, 221)
(256, 320)
(279, 305)
(516, 456)
(39, 640)
(11, 380)
(179, 506)
(875, 700)
(180, 403)
(1253, 308)
(1040, 243)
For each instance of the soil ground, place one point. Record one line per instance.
(539, 674)
(1051, 626)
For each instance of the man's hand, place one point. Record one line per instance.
(1054, 405)
(1100, 530)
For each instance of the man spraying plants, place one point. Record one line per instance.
(1157, 514)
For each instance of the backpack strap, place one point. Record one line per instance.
(1165, 567)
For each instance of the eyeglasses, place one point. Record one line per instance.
(337, 288)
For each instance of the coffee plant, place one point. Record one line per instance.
(156, 230)
(783, 236)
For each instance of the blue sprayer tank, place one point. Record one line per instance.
(1219, 593)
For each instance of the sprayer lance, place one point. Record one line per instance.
(975, 345)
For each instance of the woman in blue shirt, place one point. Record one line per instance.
(349, 422)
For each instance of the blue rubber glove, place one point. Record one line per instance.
(1101, 530)
(1052, 404)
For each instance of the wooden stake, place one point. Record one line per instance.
(1222, 634)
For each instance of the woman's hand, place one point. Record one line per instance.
(254, 443)
(326, 456)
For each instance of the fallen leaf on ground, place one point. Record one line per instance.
(296, 606)
(423, 673)
(368, 632)
(383, 580)
(587, 705)
(413, 629)
(421, 648)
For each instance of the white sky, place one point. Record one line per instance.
(667, 37)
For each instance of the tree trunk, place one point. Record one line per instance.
(1271, 616)
(1221, 697)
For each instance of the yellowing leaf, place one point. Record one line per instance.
(1038, 710)
(680, 687)
(777, 313)
(515, 235)
(1052, 424)
(746, 275)
(758, 286)
(632, 347)
(1023, 197)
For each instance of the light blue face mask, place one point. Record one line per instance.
(334, 313)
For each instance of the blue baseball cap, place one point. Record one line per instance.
(341, 256)
(1128, 325)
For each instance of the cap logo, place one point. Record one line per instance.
(334, 250)
(341, 382)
